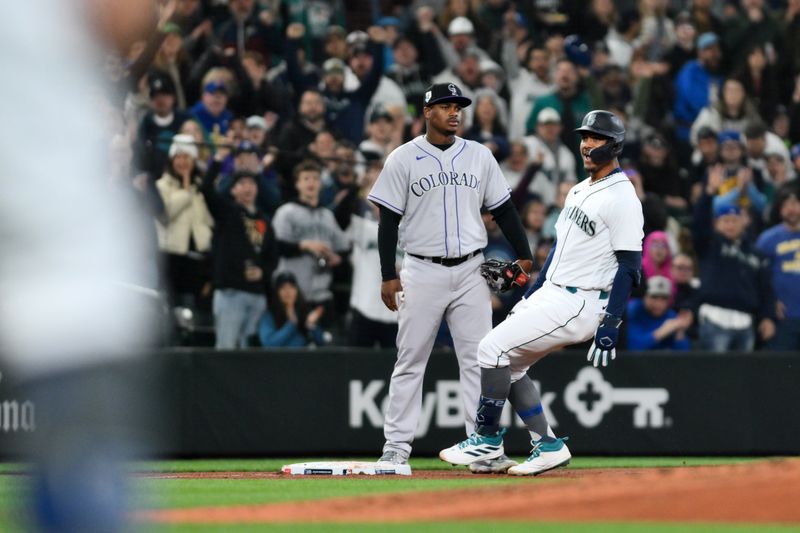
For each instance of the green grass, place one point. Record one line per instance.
(165, 493)
(206, 492)
(171, 493)
(423, 463)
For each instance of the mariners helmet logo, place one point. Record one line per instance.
(453, 89)
(591, 119)
(427, 96)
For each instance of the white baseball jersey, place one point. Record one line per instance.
(66, 294)
(598, 219)
(365, 293)
(439, 195)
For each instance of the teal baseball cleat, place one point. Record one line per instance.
(544, 456)
(476, 448)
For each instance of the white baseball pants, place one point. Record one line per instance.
(550, 319)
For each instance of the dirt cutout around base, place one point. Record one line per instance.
(764, 492)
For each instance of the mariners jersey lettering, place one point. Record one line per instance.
(439, 195)
(597, 220)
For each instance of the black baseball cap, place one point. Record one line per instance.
(445, 92)
(378, 113)
(283, 277)
(707, 132)
(160, 83)
(243, 174)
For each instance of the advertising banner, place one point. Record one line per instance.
(331, 402)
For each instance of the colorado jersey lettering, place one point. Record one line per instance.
(439, 195)
(585, 240)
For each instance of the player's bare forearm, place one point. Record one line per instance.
(389, 290)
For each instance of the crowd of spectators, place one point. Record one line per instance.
(254, 128)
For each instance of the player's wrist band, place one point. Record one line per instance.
(611, 320)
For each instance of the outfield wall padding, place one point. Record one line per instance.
(329, 402)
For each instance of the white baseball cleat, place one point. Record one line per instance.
(476, 448)
(545, 456)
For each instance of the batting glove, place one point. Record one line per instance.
(605, 341)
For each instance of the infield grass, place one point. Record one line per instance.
(158, 493)
(421, 463)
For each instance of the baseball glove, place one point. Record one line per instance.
(502, 275)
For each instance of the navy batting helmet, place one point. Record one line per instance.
(608, 125)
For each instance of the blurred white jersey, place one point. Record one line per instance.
(67, 244)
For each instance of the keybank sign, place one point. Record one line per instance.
(16, 415)
(589, 397)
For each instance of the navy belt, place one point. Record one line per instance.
(448, 261)
(603, 294)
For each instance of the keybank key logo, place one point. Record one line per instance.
(590, 397)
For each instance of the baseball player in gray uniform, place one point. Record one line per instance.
(581, 291)
(430, 194)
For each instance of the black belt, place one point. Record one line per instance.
(448, 261)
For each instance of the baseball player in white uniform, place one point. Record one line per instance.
(75, 283)
(581, 291)
(430, 194)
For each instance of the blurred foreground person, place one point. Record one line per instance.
(73, 301)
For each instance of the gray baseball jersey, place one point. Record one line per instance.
(439, 195)
(294, 222)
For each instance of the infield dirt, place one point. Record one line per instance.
(764, 492)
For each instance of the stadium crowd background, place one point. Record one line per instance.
(251, 130)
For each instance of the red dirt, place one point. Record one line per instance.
(764, 492)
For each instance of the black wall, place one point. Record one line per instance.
(328, 403)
